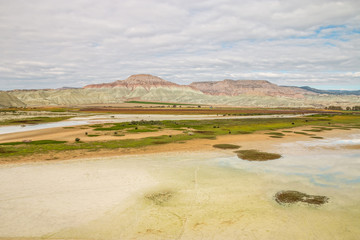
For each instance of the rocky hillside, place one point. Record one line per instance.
(8, 100)
(229, 87)
(223, 88)
(145, 81)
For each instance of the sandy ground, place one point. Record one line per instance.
(69, 134)
(257, 140)
(105, 198)
(49, 197)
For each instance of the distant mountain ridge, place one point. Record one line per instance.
(226, 87)
(230, 87)
(145, 87)
(333, 92)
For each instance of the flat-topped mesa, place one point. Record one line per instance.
(249, 87)
(146, 81)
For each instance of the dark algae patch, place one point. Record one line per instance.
(226, 146)
(276, 134)
(317, 137)
(255, 155)
(159, 198)
(291, 197)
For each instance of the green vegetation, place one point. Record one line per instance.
(136, 130)
(162, 103)
(226, 146)
(40, 142)
(303, 133)
(255, 155)
(192, 129)
(276, 134)
(313, 130)
(34, 120)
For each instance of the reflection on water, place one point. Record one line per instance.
(326, 163)
(30, 127)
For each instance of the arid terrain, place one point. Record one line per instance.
(145, 87)
(149, 169)
(187, 177)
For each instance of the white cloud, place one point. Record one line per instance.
(56, 43)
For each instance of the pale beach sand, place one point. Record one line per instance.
(185, 191)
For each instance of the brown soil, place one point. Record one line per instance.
(257, 140)
(70, 134)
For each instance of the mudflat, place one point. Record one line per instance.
(194, 192)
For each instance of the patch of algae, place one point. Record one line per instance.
(210, 202)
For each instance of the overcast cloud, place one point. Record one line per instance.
(51, 44)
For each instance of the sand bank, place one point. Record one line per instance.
(258, 140)
(196, 192)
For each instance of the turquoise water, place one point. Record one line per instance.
(326, 163)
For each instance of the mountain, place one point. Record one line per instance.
(146, 81)
(226, 87)
(229, 87)
(145, 87)
(333, 92)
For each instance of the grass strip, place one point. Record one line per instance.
(34, 120)
(226, 146)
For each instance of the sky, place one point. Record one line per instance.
(52, 44)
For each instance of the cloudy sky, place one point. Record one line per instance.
(51, 43)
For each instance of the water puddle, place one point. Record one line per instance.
(327, 163)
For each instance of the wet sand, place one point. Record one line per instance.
(199, 192)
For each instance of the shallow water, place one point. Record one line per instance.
(209, 195)
(116, 118)
(325, 162)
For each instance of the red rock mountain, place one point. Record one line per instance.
(250, 87)
(226, 87)
(146, 81)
